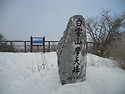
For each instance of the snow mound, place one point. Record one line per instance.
(37, 73)
(97, 61)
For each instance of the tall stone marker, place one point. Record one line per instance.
(71, 52)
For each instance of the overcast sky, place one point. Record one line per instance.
(20, 19)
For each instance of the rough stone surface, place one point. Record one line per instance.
(71, 52)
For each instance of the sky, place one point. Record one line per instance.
(20, 19)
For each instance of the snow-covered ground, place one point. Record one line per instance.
(37, 73)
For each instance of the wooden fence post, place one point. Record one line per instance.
(31, 44)
(11, 43)
(37, 48)
(49, 45)
(44, 44)
(24, 46)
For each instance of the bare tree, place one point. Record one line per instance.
(103, 30)
(117, 50)
(2, 37)
(4, 47)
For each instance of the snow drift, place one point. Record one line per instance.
(37, 73)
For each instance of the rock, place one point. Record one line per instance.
(71, 52)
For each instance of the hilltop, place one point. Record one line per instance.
(37, 73)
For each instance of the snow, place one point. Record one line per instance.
(37, 73)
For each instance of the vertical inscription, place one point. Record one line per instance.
(76, 65)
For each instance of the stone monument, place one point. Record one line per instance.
(71, 52)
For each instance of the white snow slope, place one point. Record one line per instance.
(37, 73)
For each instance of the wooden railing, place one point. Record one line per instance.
(25, 46)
